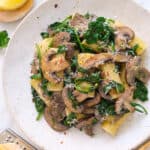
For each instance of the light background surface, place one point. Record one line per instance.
(5, 117)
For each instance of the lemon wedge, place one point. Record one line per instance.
(11, 4)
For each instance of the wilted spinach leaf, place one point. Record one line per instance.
(106, 107)
(141, 91)
(44, 35)
(39, 104)
(4, 39)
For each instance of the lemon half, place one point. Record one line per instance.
(11, 4)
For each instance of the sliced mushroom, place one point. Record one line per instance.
(143, 74)
(86, 123)
(124, 101)
(89, 130)
(68, 102)
(80, 97)
(57, 107)
(92, 102)
(70, 50)
(121, 57)
(136, 61)
(98, 116)
(131, 70)
(60, 38)
(97, 60)
(80, 23)
(134, 70)
(57, 63)
(89, 111)
(52, 63)
(123, 36)
(52, 122)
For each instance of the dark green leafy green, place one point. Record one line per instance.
(84, 87)
(44, 35)
(4, 39)
(141, 91)
(44, 85)
(99, 30)
(139, 108)
(74, 62)
(62, 49)
(59, 26)
(119, 87)
(106, 107)
(132, 51)
(36, 76)
(75, 37)
(39, 104)
(88, 83)
(92, 78)
(70, 120)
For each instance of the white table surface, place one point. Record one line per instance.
(5, 118)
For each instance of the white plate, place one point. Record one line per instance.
(16, 75)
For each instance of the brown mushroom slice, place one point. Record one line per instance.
(97, 60)
(123, 36)
(80, 97)
(89, 130)
(121, 57)
(136, 61)
(70, 50)
(79, 22)
(130, 76)
(57, 63)
(68, 102)
(124, 101)
(52, 63)
(86, 123)
(143, 74)
(46, 57)
(57, 107)
(57, 126)
(89, 111)
(134, 70)
(92, 102)
(60, 38)
(131, 69)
